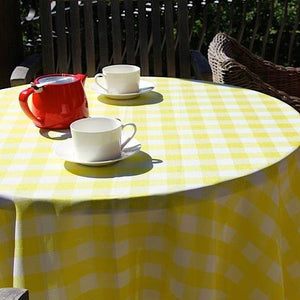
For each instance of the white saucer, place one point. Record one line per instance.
(145, 87)
(65, 150)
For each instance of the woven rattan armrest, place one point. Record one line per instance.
(231, 63)
(237, 74)
(13, 294)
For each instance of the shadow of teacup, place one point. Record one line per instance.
(56, 134)
(144, 99)
(137, 164)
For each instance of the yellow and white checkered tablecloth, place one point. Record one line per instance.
(208, 209)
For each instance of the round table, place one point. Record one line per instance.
(208, 209)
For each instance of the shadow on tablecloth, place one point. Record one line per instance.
(137, 164)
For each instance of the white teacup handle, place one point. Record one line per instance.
(132, 135)
(98, 76)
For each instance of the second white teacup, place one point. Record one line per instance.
(99, 138)
(120, 79)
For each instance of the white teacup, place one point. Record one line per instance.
(120, 79)
(99, 138)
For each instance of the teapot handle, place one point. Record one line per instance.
(23, 100)
(132, 135)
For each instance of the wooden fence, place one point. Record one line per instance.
(268, 28)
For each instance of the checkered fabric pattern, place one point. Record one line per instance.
(208, 209)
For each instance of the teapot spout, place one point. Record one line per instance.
(81, 77)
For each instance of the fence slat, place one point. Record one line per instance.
(231, 17)
(170, 43)
(89, 37)
(256, 25)
(293, 35)
(269, 25)
(218, 17)
(47, 41)
(129, 32)
(62, 47)
(116, 32)
(75, 37)
(156, 36)
(143, 37)
(183, 40)
(243, 23)
(282, 24)
(204, 26)
(102, 35)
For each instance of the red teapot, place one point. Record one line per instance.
(57, 100)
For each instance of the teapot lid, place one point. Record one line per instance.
(55, 79)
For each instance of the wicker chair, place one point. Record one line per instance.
(231, 63)
(14, 294)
